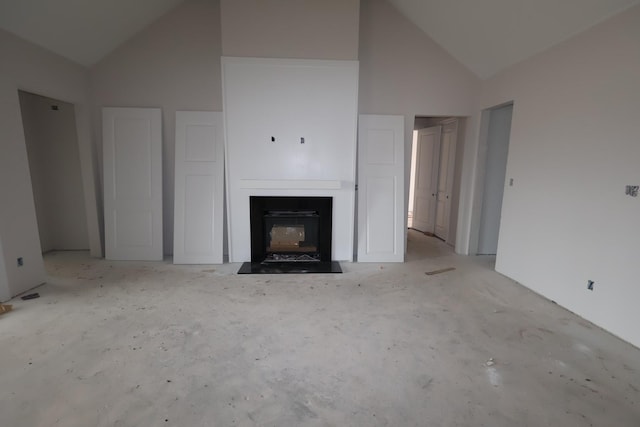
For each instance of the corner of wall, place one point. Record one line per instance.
(5, 292)
(86, 148)
(468, 187)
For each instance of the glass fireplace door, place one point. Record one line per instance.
(291, 235)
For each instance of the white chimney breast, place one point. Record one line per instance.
(269, 105)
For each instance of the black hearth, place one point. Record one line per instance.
(290, 235)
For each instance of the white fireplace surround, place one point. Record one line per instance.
(269, 106)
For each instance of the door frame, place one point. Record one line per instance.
(455, 202)
(88, 171)
(478, 181)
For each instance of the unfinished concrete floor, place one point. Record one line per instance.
(152, 344)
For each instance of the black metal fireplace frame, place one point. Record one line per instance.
(260, 205)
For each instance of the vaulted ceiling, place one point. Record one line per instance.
(489, 35)
(484, 35)
(83, 31)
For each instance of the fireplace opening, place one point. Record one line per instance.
(290, 235)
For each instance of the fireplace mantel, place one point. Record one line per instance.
(290, 184)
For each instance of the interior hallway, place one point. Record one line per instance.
(140, 344)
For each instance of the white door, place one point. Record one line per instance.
(446, 168)
(132, 145)
(426, 179)
(381, 207)
(198, 188)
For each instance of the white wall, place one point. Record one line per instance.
(25, 66)
(307, 29)
(403, 71)
(173, 64)
(54, 164)
(574, 146)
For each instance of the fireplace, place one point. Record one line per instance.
(290, 235)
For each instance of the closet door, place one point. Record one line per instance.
(381, 208)
(446, 170)
(132, 144)
(426, 179)
(199, 188)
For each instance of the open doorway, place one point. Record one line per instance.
(434, 182)
(54, 164)
(494, 143)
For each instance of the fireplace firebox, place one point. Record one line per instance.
(290, 235)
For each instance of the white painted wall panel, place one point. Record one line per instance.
(381, 206)
(380, 211)
(199, 198)
(132, 144)
(288, 100)
(198, 214)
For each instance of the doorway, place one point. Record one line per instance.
(435, 176)
(498, 130)
(54, 165)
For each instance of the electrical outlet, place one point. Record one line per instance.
(20, 262)
(590, 284)
(631, 190)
